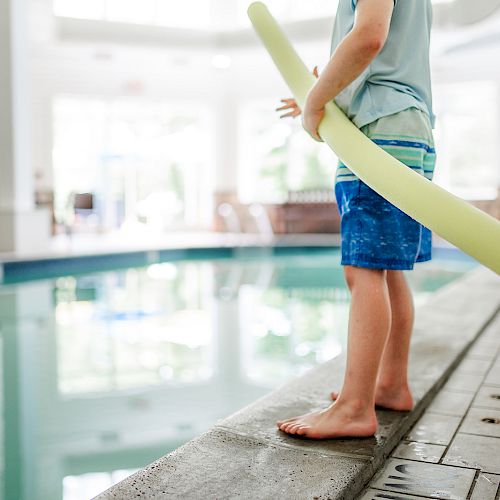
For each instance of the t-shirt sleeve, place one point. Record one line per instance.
(355, 2)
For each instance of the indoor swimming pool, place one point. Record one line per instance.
(104, 372)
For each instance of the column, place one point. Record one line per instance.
(23, 228)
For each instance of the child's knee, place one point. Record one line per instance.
(361, 275)
(396, 280)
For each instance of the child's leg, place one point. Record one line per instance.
(353, 414)
(392, 389)
(369, 325)
(392, 383)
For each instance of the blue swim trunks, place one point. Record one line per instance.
(374, 233)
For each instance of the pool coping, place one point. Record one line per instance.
(245, 455)
(27, 267)
(177, 242)
(16, 269)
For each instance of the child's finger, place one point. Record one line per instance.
(315, 72)
(291, 113)
(286, 106)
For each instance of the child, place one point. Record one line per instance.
(379, 75)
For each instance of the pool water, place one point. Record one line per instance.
(105, 372)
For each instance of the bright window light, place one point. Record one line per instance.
(130, 11)
(466, 138)
(221, 61)
(277, 156)
(149, 12)
(136, 157)
(89, 9)
(183, 14)
(194, 14)
(291, 10)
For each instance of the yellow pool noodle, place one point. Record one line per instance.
(462, 224)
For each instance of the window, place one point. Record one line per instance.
(467, 131)
(292, 10)
(90, 9)
(277, 155)
(197, 14)
(137, 157)
(185, 14)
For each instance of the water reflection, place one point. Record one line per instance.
(128, 330)
(104, 373)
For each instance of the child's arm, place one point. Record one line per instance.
(350, 59)
(356, 51)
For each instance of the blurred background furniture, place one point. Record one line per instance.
(307, 211)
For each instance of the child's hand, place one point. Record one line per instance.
(291, 103)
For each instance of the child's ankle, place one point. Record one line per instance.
(392, 383)
(355, 406)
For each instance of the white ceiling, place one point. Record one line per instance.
(466, 32)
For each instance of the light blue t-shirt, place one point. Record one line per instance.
(399, 76)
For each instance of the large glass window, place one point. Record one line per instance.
(185, 14)
(198, 14)
(189, 13)
(137, 158)
(292, 10)
(276, 156)
(467, 131)
(90, 9)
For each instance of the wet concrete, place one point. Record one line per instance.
(223, 465)
(246, 456)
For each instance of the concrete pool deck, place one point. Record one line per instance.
(246, 456)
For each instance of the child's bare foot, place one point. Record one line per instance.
(391, 398)
(336, 421)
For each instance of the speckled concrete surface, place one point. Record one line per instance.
(222, 465)
(246, 456)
